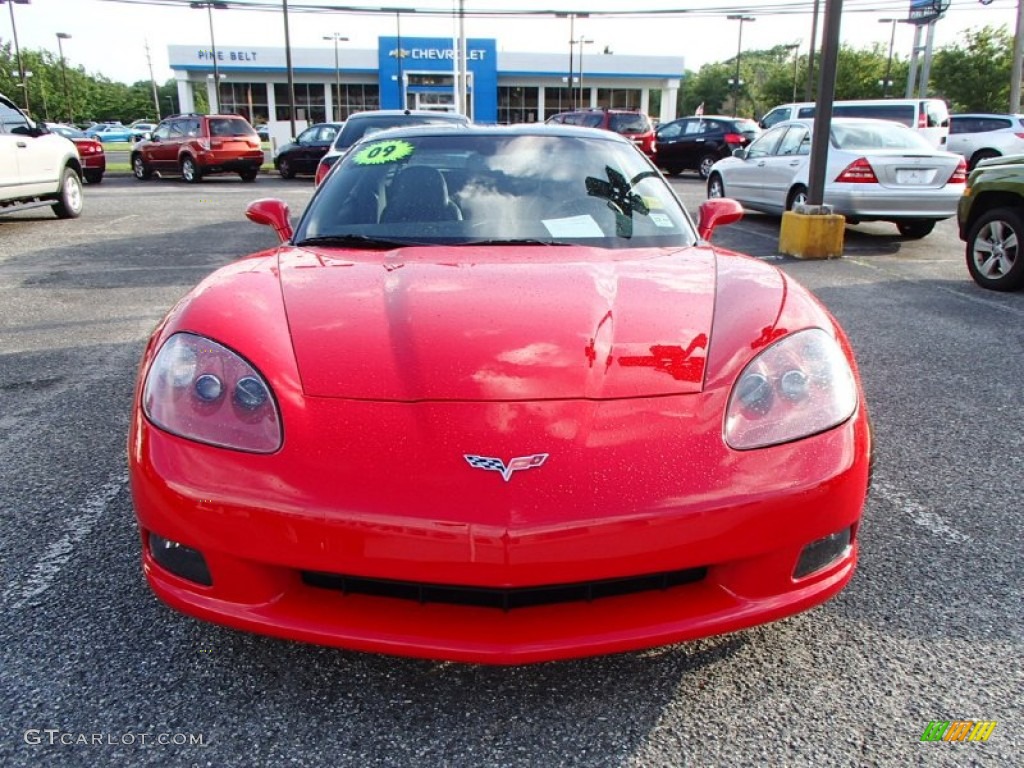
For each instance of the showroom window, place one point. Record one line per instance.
(618, 98)
(246, 99)
(556, 100)
(309, 102)
(517, 105)
(355, 98)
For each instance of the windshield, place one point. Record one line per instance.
(230, 126)
(881, 135)
(358, 127)
(629, 123)
(498, 189)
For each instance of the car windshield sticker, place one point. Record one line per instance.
(383, 152)
(573, 226)
(661, 220)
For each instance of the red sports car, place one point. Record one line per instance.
(497, 399)
(90, 151)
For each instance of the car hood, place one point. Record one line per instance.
(509, 323)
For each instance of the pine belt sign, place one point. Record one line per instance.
(923, 11)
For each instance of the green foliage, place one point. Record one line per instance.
(975, 76)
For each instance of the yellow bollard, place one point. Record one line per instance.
(812, 235)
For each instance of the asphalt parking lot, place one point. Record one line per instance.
(930, 628)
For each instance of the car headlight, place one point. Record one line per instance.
(202, 391)
(797, 387)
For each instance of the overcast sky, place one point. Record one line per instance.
(109, 36)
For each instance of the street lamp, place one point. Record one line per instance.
(61, 36)
(887, 83)
(795, 48)
(337, 72)
(17, 50)
(220, 6)
(572, 39)
(736, 82)
(581, 42)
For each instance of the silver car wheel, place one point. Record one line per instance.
(715, 187)
(996, 249)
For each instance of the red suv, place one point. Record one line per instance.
(633, 125)
(196, 145)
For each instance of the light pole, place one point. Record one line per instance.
(581, 42)
(887, 83)
(17, 50)
(795, 48)
(61, 36)
(572, 39)
(337, 72)
(221, 6)
(739, 48)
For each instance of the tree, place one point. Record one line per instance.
(975, 76)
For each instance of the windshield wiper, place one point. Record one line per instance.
(515, 241)
(357, 241)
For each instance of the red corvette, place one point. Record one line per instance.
(496, 399)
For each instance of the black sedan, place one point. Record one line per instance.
(303, 155)
(696, 143)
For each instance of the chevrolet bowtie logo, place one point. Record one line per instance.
(396, 53)
(514, 465)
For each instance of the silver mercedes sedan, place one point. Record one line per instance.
(877, 170)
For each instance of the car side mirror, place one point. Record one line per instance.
(272, 212)
(716, 213)
(741, 153)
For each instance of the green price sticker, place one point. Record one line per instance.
(383, 152)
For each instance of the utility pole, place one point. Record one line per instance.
(17, 51)
(288, 64)
(152, 82)
(809, 92)
(1018, 60)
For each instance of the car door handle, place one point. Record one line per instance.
(22, 144)
(760, 164)
(794, 163)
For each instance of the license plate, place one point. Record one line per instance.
(913, 176)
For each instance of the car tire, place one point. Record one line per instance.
(94, 177)
(190, 171)
(249, 175)
(140, 170)
(69, 197)
(715, 186)
(915, 229)
(704, 166)
(994, 256)
(981, 154)
(284, 167)
(797, 196)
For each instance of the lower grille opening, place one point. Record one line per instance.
(505, 599)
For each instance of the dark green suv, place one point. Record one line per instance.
(991, 219)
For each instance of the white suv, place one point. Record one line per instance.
(37, 167)
(978, 137)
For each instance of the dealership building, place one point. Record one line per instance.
(419, 73)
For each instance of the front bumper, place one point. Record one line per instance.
(360, 506)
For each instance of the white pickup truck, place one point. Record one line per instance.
(36, 167)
